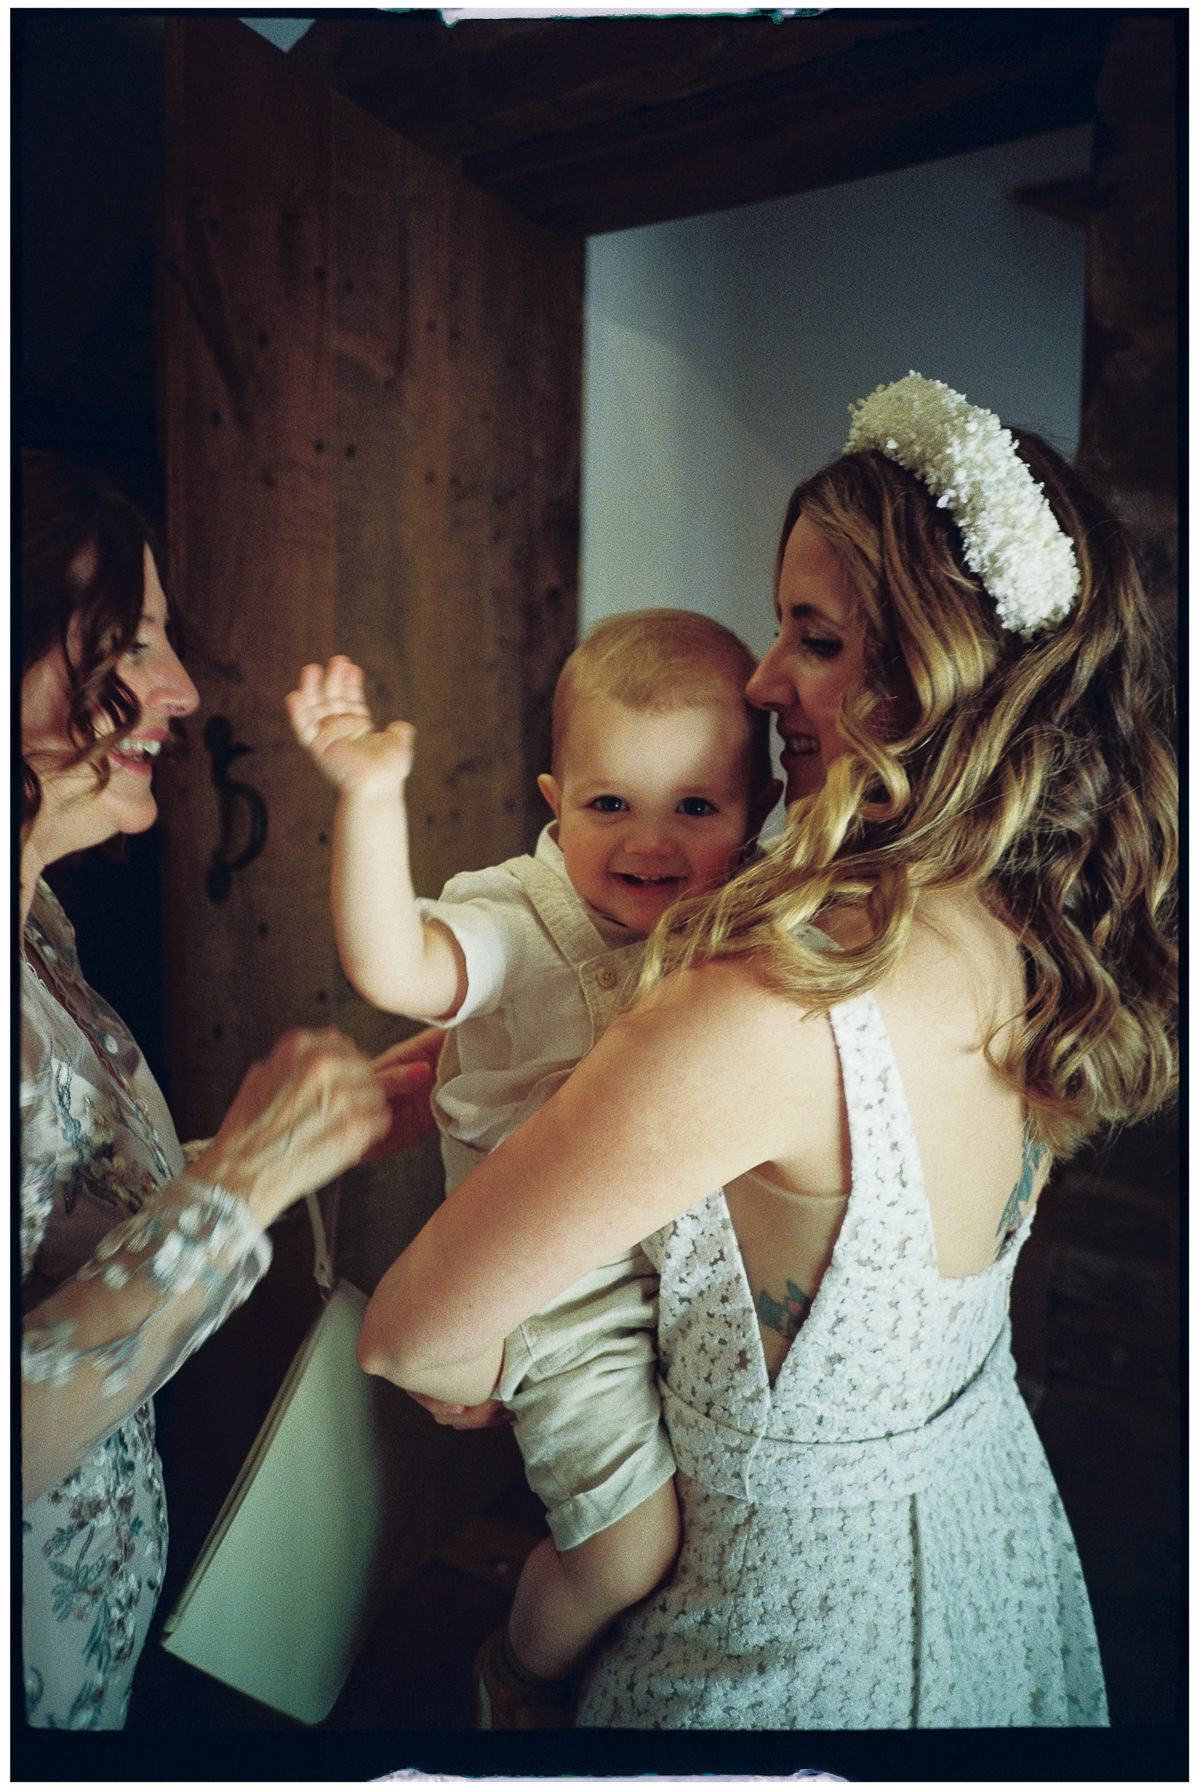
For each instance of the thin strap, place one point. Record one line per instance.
(323, 1239)
(884, 1157)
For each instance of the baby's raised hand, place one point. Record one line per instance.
(330, 718)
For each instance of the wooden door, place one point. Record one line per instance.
(371, 380)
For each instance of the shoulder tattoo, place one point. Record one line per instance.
(1032, 1156)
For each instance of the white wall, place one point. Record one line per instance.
(722, 352)
(283, 33)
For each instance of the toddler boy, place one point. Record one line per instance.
(660, 779)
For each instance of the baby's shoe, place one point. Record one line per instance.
(506, 1696)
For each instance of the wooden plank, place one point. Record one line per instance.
(457, 342)
(456, 417)
(372, 422)
(371, 400)
(250, 501)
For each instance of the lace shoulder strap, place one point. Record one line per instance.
(885, 1169)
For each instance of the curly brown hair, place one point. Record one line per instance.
(1034, 771)
(82, 593)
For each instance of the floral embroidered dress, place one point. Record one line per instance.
(127, 1263)
(875, 1541)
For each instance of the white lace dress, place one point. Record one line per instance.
(876, 1541)
(126, 1264)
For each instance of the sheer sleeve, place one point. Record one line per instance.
(157, 1285)
(128, 1261)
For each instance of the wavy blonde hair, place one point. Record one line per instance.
(1032, 771)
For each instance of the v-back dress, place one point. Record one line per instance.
(875, 1541)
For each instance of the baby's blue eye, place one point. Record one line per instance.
(697, 806)
(607, 804)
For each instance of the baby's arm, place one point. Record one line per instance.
(395, 959)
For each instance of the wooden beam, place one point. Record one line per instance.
(603, 124)
(483, 86)
(943, 90)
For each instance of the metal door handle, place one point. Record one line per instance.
(218, 879)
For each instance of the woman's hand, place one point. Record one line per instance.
(312, 1108)
(406, 1074)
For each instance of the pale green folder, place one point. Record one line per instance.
(290, 1574)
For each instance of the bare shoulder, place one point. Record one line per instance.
(736, 1064)
(959, 986)
(726, 1003)
(961, 971)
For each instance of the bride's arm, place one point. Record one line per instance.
(702, 1082)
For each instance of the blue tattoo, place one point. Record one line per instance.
(786, 1316)
(1031, 1159)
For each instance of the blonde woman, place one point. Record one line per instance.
(874, 1044)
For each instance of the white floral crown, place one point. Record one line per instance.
(967, 458)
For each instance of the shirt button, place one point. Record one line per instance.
(606, 977)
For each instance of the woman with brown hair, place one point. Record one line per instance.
(951, 967)
(129, 1257)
